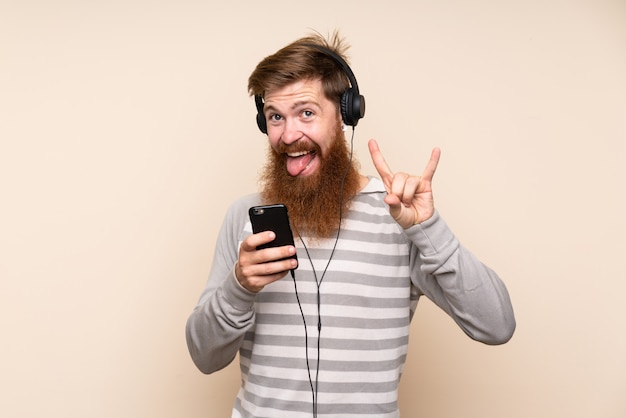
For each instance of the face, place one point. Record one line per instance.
(309, 168)
(301, 125)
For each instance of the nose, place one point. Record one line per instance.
(292, 131)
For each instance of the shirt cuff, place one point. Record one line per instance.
(432, 236)
(238, 296)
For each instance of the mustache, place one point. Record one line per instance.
(298, 146)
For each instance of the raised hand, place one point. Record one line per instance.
(410, 198)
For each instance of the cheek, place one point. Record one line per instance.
(273, 137)
(329, 141)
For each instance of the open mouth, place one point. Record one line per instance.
(298, 162)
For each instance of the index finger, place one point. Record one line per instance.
(380, 164)
(253, 241)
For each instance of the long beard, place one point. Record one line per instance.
(316, 201)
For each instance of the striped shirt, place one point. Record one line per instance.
(350, 357)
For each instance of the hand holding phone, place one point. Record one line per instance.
(259, 263)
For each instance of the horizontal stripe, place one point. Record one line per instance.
(331, 333)
(339, 377)
(331, 321)
(325, 364)
(334, 304)
(331, 354)
(382, 288)
(331, 343)
(280, 408)
(290, 395)
(339, 306)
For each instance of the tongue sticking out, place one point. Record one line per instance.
(295, 165)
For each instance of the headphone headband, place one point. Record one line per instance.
(344, 65)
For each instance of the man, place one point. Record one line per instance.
(333, 340)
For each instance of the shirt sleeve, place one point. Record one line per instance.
(455, 280)
(225, 311)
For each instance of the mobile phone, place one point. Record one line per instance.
(272, 218)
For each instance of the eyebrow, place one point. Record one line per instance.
(303, 103)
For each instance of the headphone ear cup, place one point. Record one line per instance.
(260, 117)
(352, 107)
(261, 122)
(344, 103)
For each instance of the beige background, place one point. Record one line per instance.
(126, 131)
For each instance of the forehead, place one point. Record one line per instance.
(301, 91)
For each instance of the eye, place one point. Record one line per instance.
(307, 113)
(275, 117)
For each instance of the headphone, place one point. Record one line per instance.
(352, 103)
